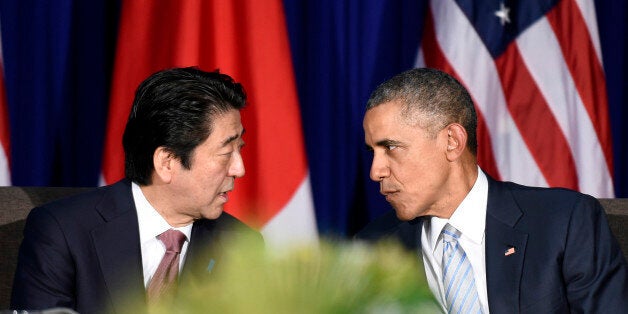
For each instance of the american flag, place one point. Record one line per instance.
(534, 70)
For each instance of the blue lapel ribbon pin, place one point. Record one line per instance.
(210, 266)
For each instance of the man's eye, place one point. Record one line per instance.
(391, 147)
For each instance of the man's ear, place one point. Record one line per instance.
(163, 162)
(456, 141)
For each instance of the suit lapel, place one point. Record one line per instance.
(505, 250)
(202, 254)
(208, 242)
(117, 244)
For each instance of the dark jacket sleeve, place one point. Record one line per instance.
(594, 269)
(44, 274)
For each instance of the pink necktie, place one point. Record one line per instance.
(164, 280)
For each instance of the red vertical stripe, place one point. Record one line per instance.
(435, 58)
(245, 39)
(535, 121)
(253, 44)
(4, 116)
(585, 68)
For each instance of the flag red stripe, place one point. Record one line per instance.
(435, 58)
(4, 117)
(586, 70)
(535, 121)
(4, 122)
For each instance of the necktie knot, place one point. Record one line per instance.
(450, 234)
(173, 240)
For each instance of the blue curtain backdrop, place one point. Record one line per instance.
(58, 57)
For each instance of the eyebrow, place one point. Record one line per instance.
(387, 142)
(383, 143)
(232, 138)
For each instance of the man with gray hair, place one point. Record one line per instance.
(487, 246)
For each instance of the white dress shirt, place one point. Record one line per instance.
(152, 224)
(470, 219)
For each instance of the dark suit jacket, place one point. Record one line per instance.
(84, 252)
(566, 258)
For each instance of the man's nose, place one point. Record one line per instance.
(379, 168)
(236, 169)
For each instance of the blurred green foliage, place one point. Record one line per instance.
(328, 277)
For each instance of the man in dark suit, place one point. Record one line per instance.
(486, 246)
(100, 251)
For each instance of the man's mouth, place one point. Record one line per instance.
(224, 194)
(388, 192)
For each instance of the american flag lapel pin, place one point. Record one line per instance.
(510, 251)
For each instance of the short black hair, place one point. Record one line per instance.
(175, 108)
(431, 98)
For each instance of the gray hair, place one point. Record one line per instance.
(430, 99)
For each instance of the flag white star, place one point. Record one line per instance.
(502, 14)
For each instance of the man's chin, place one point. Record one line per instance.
(213, 213)
(404, 215)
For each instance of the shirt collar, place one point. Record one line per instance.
(470, 216)
(151, 223)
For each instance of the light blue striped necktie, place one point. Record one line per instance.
(461, 294)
